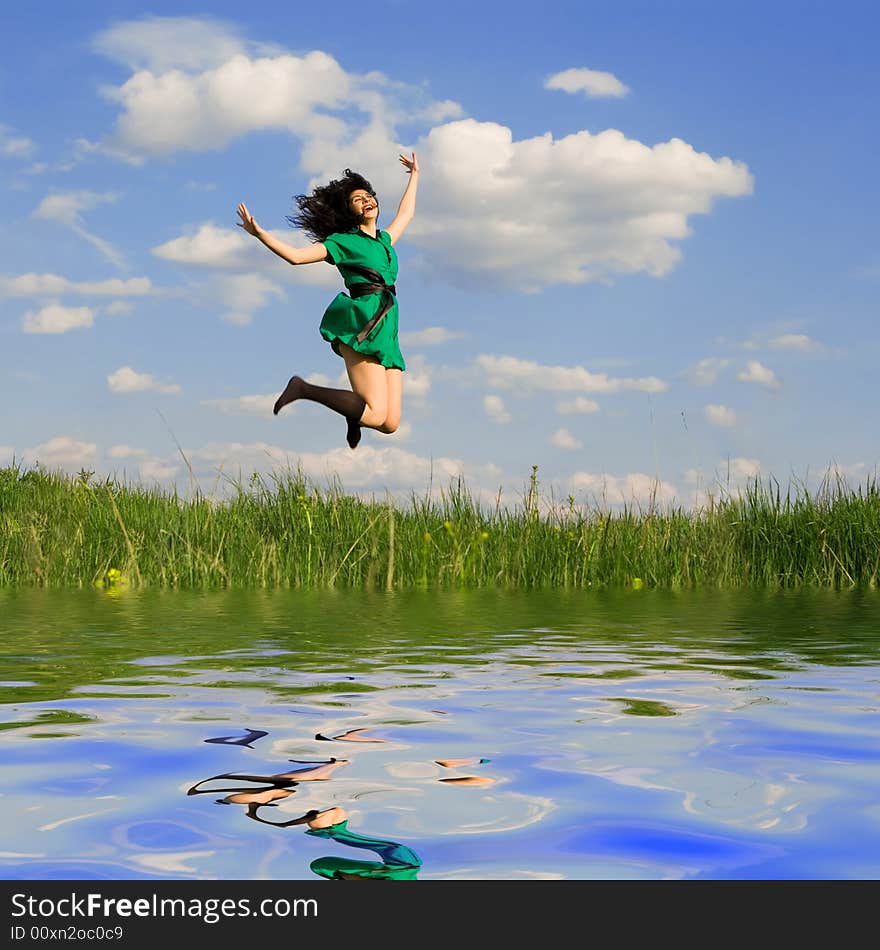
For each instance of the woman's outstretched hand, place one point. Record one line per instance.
(410, 164)
(247, 221)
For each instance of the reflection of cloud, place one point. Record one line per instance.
(171, 863)
(503, 811)
(534, 807)
(63, 821)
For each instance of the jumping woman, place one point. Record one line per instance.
(360, 326)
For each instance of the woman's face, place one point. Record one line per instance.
(364, 204)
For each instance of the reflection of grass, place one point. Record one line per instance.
(609, 675)
(643, 707)
(60, 531)
(49, 717)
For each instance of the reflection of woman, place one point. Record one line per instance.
(398, 862)
(362, 326)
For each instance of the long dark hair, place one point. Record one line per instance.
(326, 210)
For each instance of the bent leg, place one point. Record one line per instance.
(367, 377)
(394, 392)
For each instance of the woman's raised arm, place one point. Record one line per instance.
(408, 202)
(293, 255)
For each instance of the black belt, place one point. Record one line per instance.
(375, 285)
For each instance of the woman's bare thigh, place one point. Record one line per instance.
(367, 377)
(394, 391)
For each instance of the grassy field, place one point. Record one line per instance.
(58, 530)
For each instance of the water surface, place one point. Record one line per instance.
(634, 734)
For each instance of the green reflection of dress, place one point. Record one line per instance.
(345, 317)
(399, 863)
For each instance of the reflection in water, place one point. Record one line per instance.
(398, 862)
(251, 737)
(657, 735)
(353, 735)
(643, 707)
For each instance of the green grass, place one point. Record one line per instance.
(61, 531)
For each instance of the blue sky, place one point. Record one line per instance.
(644, 258)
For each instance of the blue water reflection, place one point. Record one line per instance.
(440, 736)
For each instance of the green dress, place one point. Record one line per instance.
(345, 316)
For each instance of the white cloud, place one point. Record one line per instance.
(210, 246)
(495, 410)
(719, 415)
(528, 213)
(430, 336)
(744, 467)
(584, 207)
(856, 470)
(403, 433)
(157, 470)
(242, 294)
(706, 371)
(416, 380)
(14, 146)
(592, 82)
(125, 451)
(64, 208)
(162, 43)
(577, 405)
(169, 110)
(55, 318)
(563, 439)
(118, 308)
(509, 372)
(225, 248)
(367, 467)
(728, 470)
(256, 405)
(126, 380)
(43, 285)
(144, 466)
(635, 487)
(756, 372)
(62, 452)
(795, 341)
